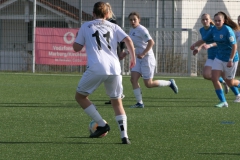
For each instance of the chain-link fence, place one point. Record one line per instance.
(20, 18)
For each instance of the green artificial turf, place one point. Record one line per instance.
(39, 119)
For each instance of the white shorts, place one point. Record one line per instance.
(222, 66)
(145, 67)
(90, 82)
(209, 62)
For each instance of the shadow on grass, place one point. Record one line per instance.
(76, 137)
(167, 98)
(12, 143)
(40, 105)
(230, 154)
(163, 104)
(182, 106)
(91, 139)
(155, 102)
(155, 98)
(46, 143)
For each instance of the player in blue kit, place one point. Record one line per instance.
(208, 24)
(100, 38)
(227, 58)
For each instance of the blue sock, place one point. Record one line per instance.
(220, 95)
(221, 80)
(235, 90)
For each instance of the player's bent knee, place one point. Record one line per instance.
(114, 98)
(206, 76)
(148, 85)
(81, 95)
(230, 82)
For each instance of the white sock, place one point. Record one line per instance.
(122, 125)
(138, 94)
(94, 114)
(163, 83)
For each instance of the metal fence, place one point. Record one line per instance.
(18, 18)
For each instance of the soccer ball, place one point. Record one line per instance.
(93, 127)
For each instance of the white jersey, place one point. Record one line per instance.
(100, 38)
(140, 37)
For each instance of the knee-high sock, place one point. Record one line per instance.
(235, 90)
(163, 83)
(220, 95)
(94, 114)
(221, 80)
(138, 94)
(122, 125)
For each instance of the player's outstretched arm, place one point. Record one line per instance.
(198, 43)
(207, 46)
(198, 49)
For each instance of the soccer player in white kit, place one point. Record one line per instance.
(145, 61)
(100, 38)
(112, 18)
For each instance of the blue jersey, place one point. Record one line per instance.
(225, 38)
(213, 50)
